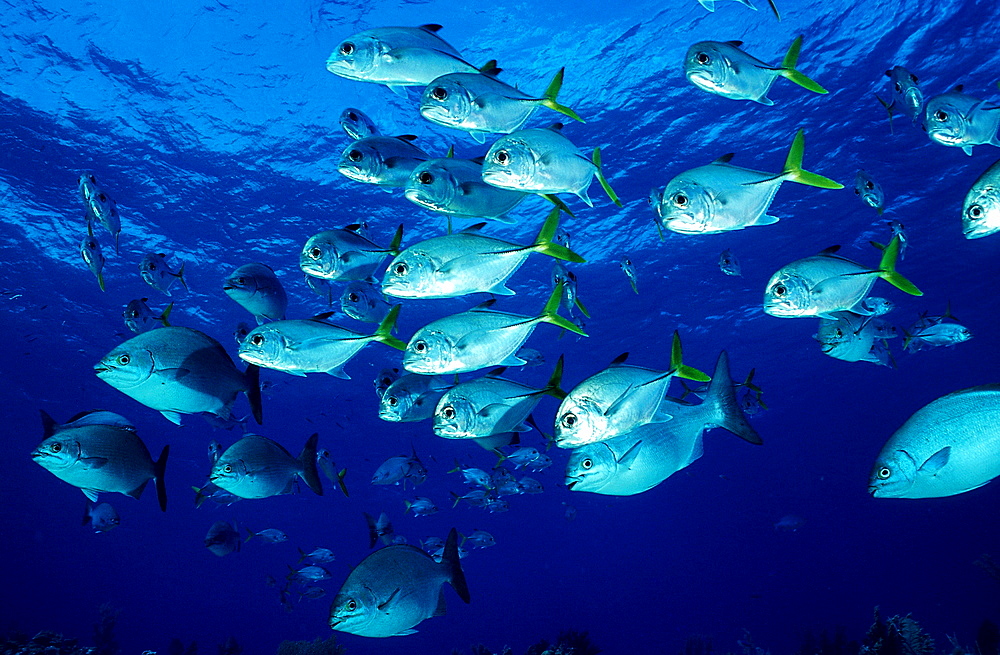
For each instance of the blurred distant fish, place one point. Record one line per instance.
(563, 238)
(496, 505)
(90, 250)
(271, 536)
(869, 191)
(356, 124)
(789, 523)
(570, 512)
(475, 498)
(531, 485)
(385, 378)
(531, 357)
(310, 573)
(521, 456)
(317, 555)
(100, 206)
(878, 306)
(710, 5)
(156, 272)
(938, 334)
(396, 470)
(629, 269)
(981, 208)
(387, 161)
(312, 593)
(101, 517)
(750, 396)
(223, 538)
(479, 539)
(724, 69)
(241, 332)
(344, 255)
(539, 463)
(729, 264)
(364, 301)
(906, 98)
(138, 315)
(566, 277)
(258, 467)
(961, 121)
(899, 231)
(214, 451)
(421, 506)
(472, 476)
(380, 528)
(258, 290)
(851, 337)
(214, 493)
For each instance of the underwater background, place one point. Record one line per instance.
(214, 126)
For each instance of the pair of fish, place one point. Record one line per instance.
(455, 187)
(99, 206)
(258, 290)
(412, 397)
(364, 301)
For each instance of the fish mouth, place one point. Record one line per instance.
(101, 368)
(415, 196)
(334, 622)
(436, 114)
(571, 484)
(872, 491)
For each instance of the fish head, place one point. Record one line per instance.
(396, 403)
(905, 89)
(431, 352)
(656, 199)
(126, 366)
(356, 124)
(229, 473)
(90, 250)
(362, 161)
(102, 205)
(580, 421)
(357, 56)
(981, 211)
(433, 186)
(787, 295)
(511, 163)
(57, 453)
(320, 256)
(446, 101)
(687, 207)
(455, 418)
(893, 475)
(946, 119)
(590, 467)
(833, 333)
(384, 380)
(87, 184)
(410, 274)
(354, 609)
(708, 67)
(868, 190)
(241, 286)
(358, 299)
(263, 346)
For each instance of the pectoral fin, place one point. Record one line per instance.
(628, 458)
(936, 462)
(173, 417)
(383, 606)
(94, 462)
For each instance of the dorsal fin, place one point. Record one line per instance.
(735, 44)
(481, 159)
(323, 316)
(490, 68)
(473, 228)
(497, 372)
(724, 159)
(620, 359)
(958, 88)
(830, 250)
(407, 137)
(430, 27)
(486, 304)
(353, 227)
(555, 127)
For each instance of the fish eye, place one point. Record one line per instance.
(976, 211)
(587, 463)
(420, 346)
(240, 281)
(315, 253)
(840, 332)
(502, 157)
(352, 115)
(941, 115)
(102, 197)
(92, 179)
(439, 93)
(569, 420)
(386, 381)
(680, 199)
(448, 412)
(346, 48)
(257, 340)
(124, 360)
(779, 290)
(898, 87)
(353, 297)
(884, 473)
(869, 185)
(703, 58)
(426, 178)
(56, 447)
(391, 401)
(228, 468)
(352, 605)
(401, 269)
(151, 266)
(355, 155)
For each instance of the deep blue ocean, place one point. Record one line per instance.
(214, 125)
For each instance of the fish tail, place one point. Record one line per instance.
(793, 166)
(340, 482)
(550, 440)
(302, 556)
(180, 276)
(579, 305)
(163, 318)
(88, 508)
(788, 68)
(490, 68)
(544, 241)
(888, 109)
(100, 280)
(451, 563)
(907, 338)
(552, 386)
(721, 401)
(887, 270)
(250, 534)
(549, 97)
(159, 469)
(549, 312)
(384, 332)
(397, 239)
(596, 158)
(455, 499)
(557, 201)
(308, 461)
(677, 366)
(253, 393)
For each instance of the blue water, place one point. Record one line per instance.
(214, 126)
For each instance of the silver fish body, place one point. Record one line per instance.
(412, 397)
(906, 97)
(102, 517)
(729, 263)
(870, 191)
(961, 121)
(628, 268)
(386, 161)
(139, 317)
(455, 187)
(363, 301)
(485, 407)
(258, 467)
(343, 255)
(100, 206)
(155, 272)
(90, 251)
(851, 337)
(356, 124)
(937, 334)
(981, 209)
(258, 290)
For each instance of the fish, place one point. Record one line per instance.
(455, 187)
(412, 398)
(100, 206)
(639, 460)
(100, 452)
(628, 268)
(722, 68)
(938, 334)
(102, 517)
(214, 451)
(357, 125)
(491, 405)
(421, 506)
(710, 5)
(214, 493)
(496, 505)
(138, 316)
(223, 538)
(312, 593)
(479, 539)
(381, 528)
(344, 255)
(478, 338)
(869, 191)
(899, 231)
(176, 371)
(542, 160)
(396, 588)
(481, 104)
(961, 121)
(981, 208)
(570, 299)
(324, 460)
(310, 573)
(320, 287)
(271, 535)
(363, 301)
(878, 306)
(387, 161)
(539, 463)
(396, 470)
(258, 467)
(258, 290)
(476, 498)
(531, 485)
(155, 272)
(947, 447)
(789, 523)
(729, 264)
(384, 379)
(397, 57)
(521, 457)
(618, 399)
(826, 283)
(721, 197)
(90, 251)
(467, 262)
(317, 555)
(906, 95)
(852, 337)
(431, 544)
(472, 476)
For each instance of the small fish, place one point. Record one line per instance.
(138, 316)
(539, 463)
(531, 485)
(421, 506)
(961, 121)
(258, 290)
(214, 451)
(397, 470)
(981, 208)
(100, 206)
(710, 5)
(321, 288)
(412, 397)
(789, 523)
(380, 528)
(472, 476)
(387, 161)
(629, 269)
(90, 250)
(939, 334)
(216, 494)
(385, 378)
(357, 125)
(270, 536)
(869, 191)
(496, 505)
(899, 232)
(720, 67)
(475, 498)
(310, 573)
(312, 593)
(729, 264)
(317, 555)
(431, 544)
(241, 332)
(223, 538)
(570, 512)
(324, 460)
(564, 238)
(363, 301)
(156, 272)
(102, 517)
(258, 467)
(906, 95)
(565, 277)
(344, 255)
(479, 539)
(522, 456)
(531, 356)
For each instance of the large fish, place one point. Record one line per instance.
(643, 458)
(961, 121)
(344, 254)
(412, 397)
(258, 467)
(721, 197)
(467, 262)
(177, 370)
(981, 209)
(395, 588)
(99, 452)
(386, 161)
(258, 290)
(455, 187)
(720, 67)
(906, 95)
(948, 447)
(826, 283)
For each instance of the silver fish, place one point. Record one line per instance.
(729, 264)
(481, 104)
(961, 121)
(258, 290)
(531, 485)
(869, 191)
(386, 161)
(311, 573)
(324, 460)
(176, 371)
(720, 67)
(721, 197)
(258, 467)
(521, 457)
(363, 301)
(100, 206)
(455, 187)
(467, 262)
(938, 334)
(878, 306)
(395, 588)
(357, 125)
(317, 555)
(223, 538)
(312, 593)
(947, 447)
(472, 476)
(102, 517)
(479, 539)
(570, 300)
(344, 255)
(710, 5)
(138, 316)
(397, 470)
(90, 251)
(156, 272)
(99, 452)
(826, 283)
(906, 95)
(628, 268)
(899, 231)
(271, 535)
(412, 397)
(542, 160)
(385, 378)
(981, 209)
(421, 506)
